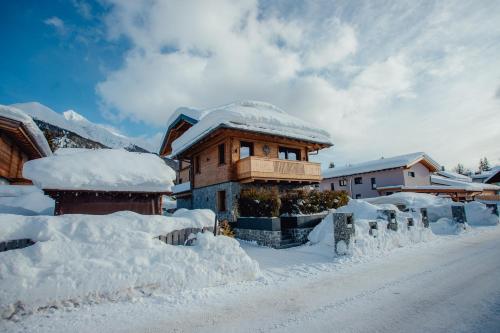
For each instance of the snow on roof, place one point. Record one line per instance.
(435, 179)
(35, 133)
(101, 170)
(249, 116)
(486, 175)
(454, 175)
(380, 164)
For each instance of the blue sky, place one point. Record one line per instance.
(383, 77)
(58, 66)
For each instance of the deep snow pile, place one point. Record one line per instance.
(37, 135)
(478, 214)
(24, 200)
(365, 243)
(250, 116)
(77, 258)
(101, 169)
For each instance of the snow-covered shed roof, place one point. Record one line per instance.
(454, 175)
(382, 164)
(485, 176)
(101, 170)
(250, 116)
(470, 186)
(36, 136)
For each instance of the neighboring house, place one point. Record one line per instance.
(466, 188)
(20, 140)
(226, 149)
(381, 177)
(490, 177)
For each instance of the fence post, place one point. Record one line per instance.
(343, 231)
(425, 217)
(458, 214)
(215, 225)
(390, 216)
(373, 228)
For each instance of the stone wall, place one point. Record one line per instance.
(262, 237)
(206, 198)
(300, 234)
(184, 203)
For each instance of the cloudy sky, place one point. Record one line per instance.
(383, 77)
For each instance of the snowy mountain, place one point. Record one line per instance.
(70, 129)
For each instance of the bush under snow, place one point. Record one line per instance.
(24, 200)
(80, 257)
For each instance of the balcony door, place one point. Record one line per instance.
(286, 153)
(246, 149)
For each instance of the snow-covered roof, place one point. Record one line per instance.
(250, 116)
(454, 175)
(380, 164)
(179, 188)
(486, 175)
(436, 179)
(101, 170)
(33, 130)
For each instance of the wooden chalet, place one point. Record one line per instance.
(217, 164)
(20, 141)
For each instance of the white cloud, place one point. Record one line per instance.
(384, 80)
(57, 24)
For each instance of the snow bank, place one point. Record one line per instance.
(250, 116)
(37, 135)
(24, 200)
(446, 226)
(78, 258)
(101, 169)
(479, 214)
(365, 244)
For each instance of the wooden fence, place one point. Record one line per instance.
(15, 244)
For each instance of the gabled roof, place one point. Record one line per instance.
(486, 176)
(251, 116)
(401, 161)
(454, 175)
(20, 126)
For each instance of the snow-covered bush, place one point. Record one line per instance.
(259, 202)
(77, 258)
(478, 213)
(297, 202)
(24, 200)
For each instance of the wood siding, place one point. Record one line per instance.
(12, 159)
(211, 172)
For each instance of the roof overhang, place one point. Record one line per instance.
(18, 131)
(176, 128)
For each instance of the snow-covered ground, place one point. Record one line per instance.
(447, 285)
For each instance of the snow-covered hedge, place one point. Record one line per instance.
(24, 200)
(77, 258)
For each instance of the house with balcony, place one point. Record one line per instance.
(225, 149)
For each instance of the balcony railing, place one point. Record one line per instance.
(253, 168)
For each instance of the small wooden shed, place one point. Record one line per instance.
(102, 181)
(20, 141)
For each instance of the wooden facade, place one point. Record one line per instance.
(105, 202)
(218, 158)
(16, 147)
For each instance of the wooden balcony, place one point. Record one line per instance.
(271, 169)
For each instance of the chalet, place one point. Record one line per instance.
(226, 149)
(20, 140)
(102, 181)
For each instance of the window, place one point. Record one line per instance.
(180, 181)
(246, 149)
(332, 186)
(222, 154)
(411, 174)
(358, 196)
(221, 201)
(289, 154)
(342, 182)
(197, 167)
(374, 183)
(358, 180)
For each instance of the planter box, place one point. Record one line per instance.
(258, 223)
(302, 221)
